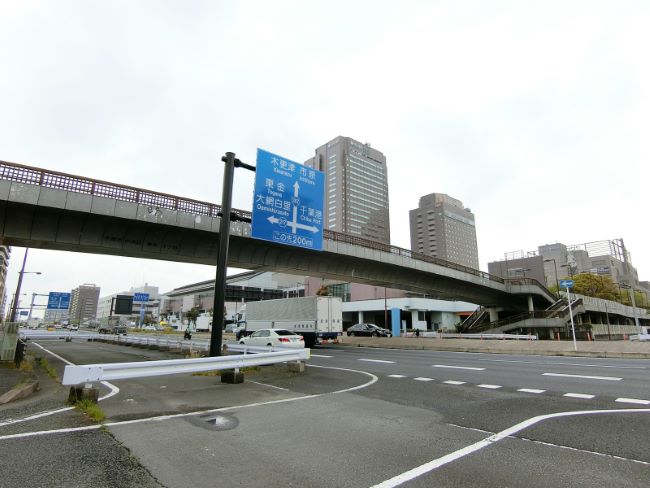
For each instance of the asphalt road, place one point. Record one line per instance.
(356, 418)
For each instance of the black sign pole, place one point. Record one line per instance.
(216, 335)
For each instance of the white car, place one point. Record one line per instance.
(274, 338)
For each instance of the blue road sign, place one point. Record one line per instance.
(140, 297)
(57, 300)
(566, 283)
(23, 313)
(288, 202)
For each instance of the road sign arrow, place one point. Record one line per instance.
(273, 220)
(296, 189)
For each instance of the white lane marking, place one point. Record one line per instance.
(563, 375)
(452, 382)
(270, 386)
(559, 446)
(436, 463)
(114, 391)
(530, 390)
(633, 400)
(490, 387)
(561, 364)
(422, 378)
(159, 418)
(396, 376)
(376, 361)
(579, 395)
(320, 356)
(457, 367)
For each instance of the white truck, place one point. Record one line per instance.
(314, 318)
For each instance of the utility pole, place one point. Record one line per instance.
(12, 317)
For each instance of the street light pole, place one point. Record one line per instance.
(12, 316)
(573, 329)
(636, 318)
(557, 282)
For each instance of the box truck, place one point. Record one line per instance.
(314, 318)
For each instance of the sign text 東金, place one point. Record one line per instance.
(288, 202)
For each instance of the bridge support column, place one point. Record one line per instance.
(494, 315)
(531, 308)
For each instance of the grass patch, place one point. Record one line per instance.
(246, 369)
(91, 409)
(49, 369)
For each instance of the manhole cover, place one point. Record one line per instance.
(215, 421)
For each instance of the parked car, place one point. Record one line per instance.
(233, 328)
(73, 327)
(274, 338)
(370, 330)
(119, 330)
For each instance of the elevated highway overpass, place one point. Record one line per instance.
(46, 209)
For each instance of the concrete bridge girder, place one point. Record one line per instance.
(65, 220)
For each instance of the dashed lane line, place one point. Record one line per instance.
(635, 401)
(579, 395)
(376, 361)
(535, 391)
(447, 366)
(564, 375)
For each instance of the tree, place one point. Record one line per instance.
(323, 291)
(191, 315)
(597, 286)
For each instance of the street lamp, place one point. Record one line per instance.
(636, 318)
(557, 282)
(12, 317)
(569, 267)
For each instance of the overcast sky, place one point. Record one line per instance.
(534, 114)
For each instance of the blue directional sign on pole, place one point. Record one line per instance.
(140, 297)
(57, 300)
(566, 283)
(288, 202)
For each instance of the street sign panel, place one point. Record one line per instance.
(57, 300)
(288, 202)
(566, 283)
(140, 297)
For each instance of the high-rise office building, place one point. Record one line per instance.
(356, 188)
(441, 227)
(83, 303)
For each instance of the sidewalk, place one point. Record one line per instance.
(598, 349)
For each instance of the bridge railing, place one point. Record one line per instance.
(79, 184)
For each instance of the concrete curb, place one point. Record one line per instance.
(19, 392)
(488, 350)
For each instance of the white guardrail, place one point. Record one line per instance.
(89, 373)
(640, 337)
